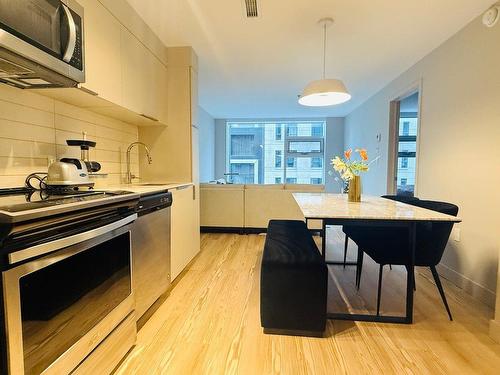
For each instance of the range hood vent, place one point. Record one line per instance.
(252, 9)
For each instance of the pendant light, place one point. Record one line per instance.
(324, 92)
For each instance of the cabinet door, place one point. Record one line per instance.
(185, 235)
(194, 97)
(157, 93)
(196, 180)
(144, 79)
(135, 72)
(103, 70)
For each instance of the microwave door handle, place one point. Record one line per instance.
(70, 48)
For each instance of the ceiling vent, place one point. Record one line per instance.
(251, 8)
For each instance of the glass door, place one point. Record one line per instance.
(405, 142)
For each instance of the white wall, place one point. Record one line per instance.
(334, 145)
(220, 148)
(459, 154)
(206, 125)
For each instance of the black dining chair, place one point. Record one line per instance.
(354, 229)
(387, 246)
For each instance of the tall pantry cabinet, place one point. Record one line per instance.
(175, 155)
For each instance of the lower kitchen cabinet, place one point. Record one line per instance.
(185, 231)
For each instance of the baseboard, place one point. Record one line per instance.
(477, 291)
(237, 230)
(242, 230)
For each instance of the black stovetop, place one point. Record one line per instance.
(24, 199)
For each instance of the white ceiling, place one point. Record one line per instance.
(255, 68)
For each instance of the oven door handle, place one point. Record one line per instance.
(49, 247)
(70, 48)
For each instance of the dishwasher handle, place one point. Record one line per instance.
(154, 202)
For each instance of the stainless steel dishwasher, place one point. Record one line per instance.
(151, 250)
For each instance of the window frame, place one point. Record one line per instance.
(289, 153)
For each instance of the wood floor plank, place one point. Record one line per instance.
(210, 323)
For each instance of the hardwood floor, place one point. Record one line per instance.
(210, 324)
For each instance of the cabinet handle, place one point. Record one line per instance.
(88, 91)
(149, 117)
(194, 193)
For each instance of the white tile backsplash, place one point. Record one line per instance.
(34, 129)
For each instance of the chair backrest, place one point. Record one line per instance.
(401, 198)
(433, 237)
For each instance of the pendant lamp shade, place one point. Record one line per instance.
(324, 92)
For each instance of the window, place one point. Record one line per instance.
(260, 152)
(291, 130)
(242, 144)
(277, 158)
(404, 162)
(406, 128)
(316, 162)
(305, 147)
(404, 181)
(244, 171)
(277, 135)
(316, 181)
(317, 131)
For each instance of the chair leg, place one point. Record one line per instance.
(345, 248)
(359, 267)
(379, 292)
(390, 267)
(437, 280)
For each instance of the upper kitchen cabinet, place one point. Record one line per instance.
(144, 79)
(125, 66)
(194, 97)
(175, 141)
(103, 75)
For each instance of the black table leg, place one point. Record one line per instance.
(410, 278)
(323, 239)
(405, 319)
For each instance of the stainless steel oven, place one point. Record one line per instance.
(62, 298)
(41, 43)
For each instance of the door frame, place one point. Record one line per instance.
(392, 160)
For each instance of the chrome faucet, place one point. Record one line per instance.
(130, 176)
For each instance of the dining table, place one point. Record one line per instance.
(372, 211)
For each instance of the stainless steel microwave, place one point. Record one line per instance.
(41, 43)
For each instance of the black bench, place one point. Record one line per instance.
(293, 281)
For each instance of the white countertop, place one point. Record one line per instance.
(147, 188)
(336, 206)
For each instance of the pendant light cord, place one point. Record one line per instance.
(324, 51)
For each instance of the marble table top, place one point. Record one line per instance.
(336, 206)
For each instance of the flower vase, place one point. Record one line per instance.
(354, 194)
